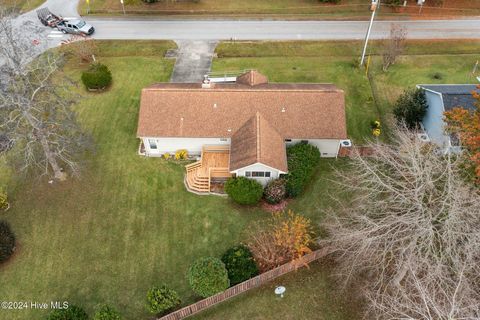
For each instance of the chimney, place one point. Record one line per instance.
(206, 83)
(252, 78)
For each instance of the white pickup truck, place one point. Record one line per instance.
(75, 26)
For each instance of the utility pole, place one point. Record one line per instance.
(123, 6)
(375, 5)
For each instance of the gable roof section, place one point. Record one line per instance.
(301, 111)
(257, 142)
(455, 95)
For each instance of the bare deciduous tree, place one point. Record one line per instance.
(411, 230)
(84, 48)
(35, 102)
(394, 46)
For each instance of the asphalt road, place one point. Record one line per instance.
(108, 28)
(222, 29)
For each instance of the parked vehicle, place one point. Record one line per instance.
(73, 26)
(47, 18)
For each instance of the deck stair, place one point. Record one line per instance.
(213, 165)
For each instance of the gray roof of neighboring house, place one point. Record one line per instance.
(455, 95)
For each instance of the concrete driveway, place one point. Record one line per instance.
(194, 60)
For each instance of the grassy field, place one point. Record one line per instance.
(335, 62)
(128, 223)
(296, 9)
(230, 7)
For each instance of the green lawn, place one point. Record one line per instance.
(128, 223)
(335, 62)
(298, 8)
(284, 9)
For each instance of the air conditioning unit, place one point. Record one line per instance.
(423, 137)
(345, 143)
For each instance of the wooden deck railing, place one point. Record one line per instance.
(199, 174)
(215, 148)
(194, 165)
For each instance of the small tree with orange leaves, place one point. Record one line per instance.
(285, 237)
(466, 124)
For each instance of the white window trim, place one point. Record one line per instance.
(250, 174)
(154, 142)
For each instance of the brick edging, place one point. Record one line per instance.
(244, 286)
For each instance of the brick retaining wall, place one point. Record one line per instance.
(244, 286)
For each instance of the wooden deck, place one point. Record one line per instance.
(214, 164)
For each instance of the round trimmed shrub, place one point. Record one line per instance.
(162, 299)
(72, 313)
(97, 77)
(106, 312)
(243, 190)
(208, 276)
(239, 264)
(275, 191)
(7, 241)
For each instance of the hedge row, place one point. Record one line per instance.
(302, 160)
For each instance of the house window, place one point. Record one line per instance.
(152, 143)
(288, 140)
(258, 174)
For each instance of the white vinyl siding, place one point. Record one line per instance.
(192, 145)
(258, 167)
(328, 147)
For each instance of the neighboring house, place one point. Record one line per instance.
(441, 98)
(240, 128)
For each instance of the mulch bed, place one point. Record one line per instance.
(217, 187)
(275, 207)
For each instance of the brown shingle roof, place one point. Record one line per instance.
(257, 141)
(302, 111)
